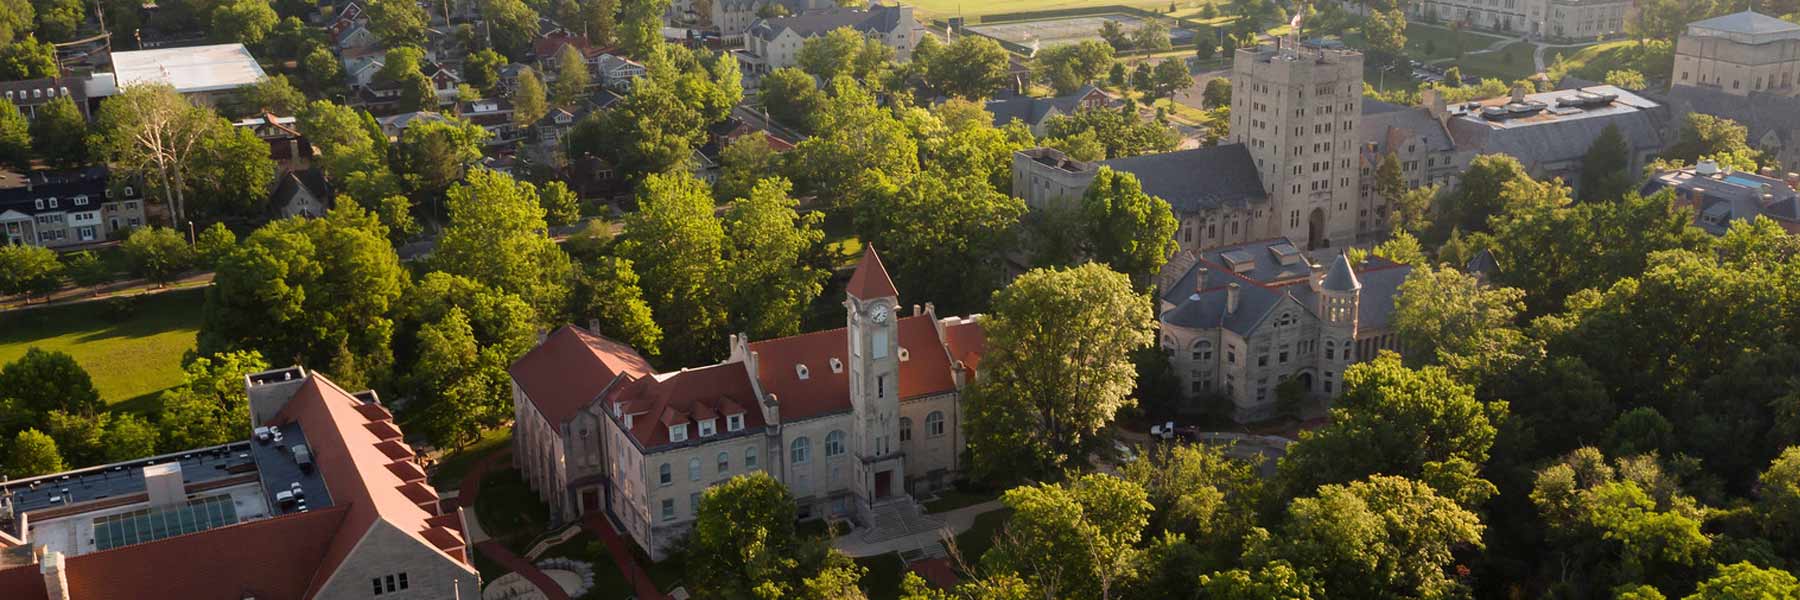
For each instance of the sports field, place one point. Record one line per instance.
(1067, 30)
(130, 353)
(941, 9)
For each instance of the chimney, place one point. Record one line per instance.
(1231, 298)
(1434, 103)
(1792, 179)
(56, 578)
(1200, 280)
(1316, 277)
(916, 310)
(931, 310)
(1518, 93)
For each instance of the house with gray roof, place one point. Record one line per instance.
(1719, 196)
(1035, 112)
(1215, 191)
(775, 43)
(1238, 321)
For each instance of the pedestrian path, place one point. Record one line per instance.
(498, 553)
(954, 522)
(621, 553)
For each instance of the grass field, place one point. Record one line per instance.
(131, 354)
(1654, 60)
(971, 10)
(1510, 63)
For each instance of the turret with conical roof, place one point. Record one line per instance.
(1340, 293)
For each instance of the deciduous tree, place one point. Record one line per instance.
(971, 67)
(676, 210)
(571, 76)
(158, 253)
(769, 242)
(1129, 230)
(1073, 540)
(210, 406)
(397, 22)
(497, 235)
(28, 270)
(59, 134)
(1057, 369)
(45, 380)
(32, 453)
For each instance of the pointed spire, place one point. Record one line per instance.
(870, 279)
(1341, 278)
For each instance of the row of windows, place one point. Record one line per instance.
(708, 427)
(665, 473)
(388, 584)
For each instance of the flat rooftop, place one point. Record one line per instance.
(124, 479)
(1554, 106)
(280, 471)
(191, 70)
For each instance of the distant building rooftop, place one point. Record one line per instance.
(1719, 197)
(1748, 27)
(191, 70)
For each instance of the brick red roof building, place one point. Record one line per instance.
(853, 419)
(373, 523)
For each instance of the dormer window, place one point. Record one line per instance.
(734, 422)
(837, 366)
(678, 433)
(52, 203)
(801, 371)
(709, 427)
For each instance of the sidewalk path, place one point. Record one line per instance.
(128, 288)
(955, 522)
(616, 546)
(512, 562)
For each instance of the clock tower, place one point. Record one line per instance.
(874, 335)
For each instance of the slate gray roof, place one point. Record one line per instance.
(1745, 22)
(1198, 179)
(1410, 122)
(1201, 295)
(1552, 138)
(882, 19)
(1032, 110)
(1341, 277)
(1759, 112)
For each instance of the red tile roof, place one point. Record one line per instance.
(351, 460)
(687, 396)
(966, 341)
(570, 369)
(870, 279)
(22, 582)
(270, 559)
(926, 370)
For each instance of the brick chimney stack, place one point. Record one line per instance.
(1231, 298)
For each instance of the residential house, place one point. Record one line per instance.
(853, 420)
(775, 43)
(395, 125)
(303, 193)
(496, 116)
(30, 95)
(617, 72)
(287, 147)
(1036, 112)
(67, 208)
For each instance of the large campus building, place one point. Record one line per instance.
(1573, 20)
(322, 500)
(854, 420)
(1739, 54)
(775, 42)
(1237, 321)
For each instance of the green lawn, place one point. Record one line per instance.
(609, 583)
(1654, 60)
(1427, 42)
(509, 511)
(1510, 63)
(980, 536)
(952, 499)
(131, 347)
(450, 471)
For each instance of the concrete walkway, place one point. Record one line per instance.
(498, 553)
(621, 553)
(955, 522)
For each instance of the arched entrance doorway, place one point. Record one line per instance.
(1306, 381)
(1315, 230)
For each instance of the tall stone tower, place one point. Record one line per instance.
(870, 303)
(1340, 302)
(1297, 110)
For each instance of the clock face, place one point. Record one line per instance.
(879, 314)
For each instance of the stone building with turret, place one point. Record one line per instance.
(1238, 321)
(855, 420)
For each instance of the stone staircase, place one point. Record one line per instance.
(896, 518)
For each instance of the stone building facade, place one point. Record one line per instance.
(1572, 20)
(68, 208)
(1238, 321)
(1739, 54)
(1295, 109)
(855, 420)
